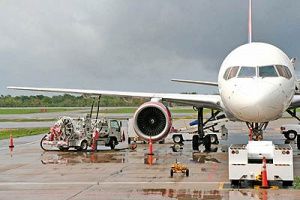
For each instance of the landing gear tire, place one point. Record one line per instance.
(195, 143)
(290, 135)
(41, 143)
(214, 139)
(207, 142)
(171, 173)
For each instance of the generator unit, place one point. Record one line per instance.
(245, 162)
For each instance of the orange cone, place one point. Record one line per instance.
(11, 142)
(150, 147)
(264, 177)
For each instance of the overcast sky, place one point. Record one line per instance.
(133, 45)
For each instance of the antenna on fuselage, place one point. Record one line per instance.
(250, 22)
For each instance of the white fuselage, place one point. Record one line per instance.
(255, 91)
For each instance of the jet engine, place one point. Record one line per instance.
(152, 119)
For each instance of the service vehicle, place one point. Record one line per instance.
(178, 167)
(245, 162)
(81, 133)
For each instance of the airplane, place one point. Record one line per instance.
(256, 83)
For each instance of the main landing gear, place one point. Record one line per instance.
(201, 138)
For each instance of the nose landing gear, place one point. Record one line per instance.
(256, 130)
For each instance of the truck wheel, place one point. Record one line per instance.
(287, 183)
(112, 143)
(63, 148)
(187, 172)
(83, 145)
(195, 142)
(214, 139)
(291, 135)
(177, 138)
(171, 173)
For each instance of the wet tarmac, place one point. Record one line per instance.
(27, 172)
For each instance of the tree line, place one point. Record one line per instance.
(65, 100)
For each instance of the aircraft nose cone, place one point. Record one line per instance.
(257, 103)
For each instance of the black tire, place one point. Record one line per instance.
(298, 142)
(214, 139)
(84, 145)
(171, 173)
(187, 172)
(207, 142)
(41, 143)
(291, 135)
(177, 139)
(195, 142)
(161, 141)
(287, 183)
(112, 143)
(63, 148)
(235, 183)
(129, 140)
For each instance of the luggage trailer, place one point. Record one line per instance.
(245, 162)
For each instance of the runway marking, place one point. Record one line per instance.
(102, 183)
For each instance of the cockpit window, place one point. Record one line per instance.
(233, 72)
(267, 71)
(246, 72)
(284, 71)
(226, 73)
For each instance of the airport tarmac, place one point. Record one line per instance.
(30, 173)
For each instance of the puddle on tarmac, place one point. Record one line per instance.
(183, 193)
(80, 157)
(204, 158)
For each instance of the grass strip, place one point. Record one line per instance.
(5, 111)
(21, 132)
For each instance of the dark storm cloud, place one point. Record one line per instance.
(133, 44)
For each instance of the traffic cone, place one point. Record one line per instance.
(11, 142)
(150, 147)
(264, 177)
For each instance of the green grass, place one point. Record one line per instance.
(297, 182)
(21, 132)
(27, 120)
(6, 111)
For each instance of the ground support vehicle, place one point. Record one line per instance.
(82, 133)
(245, 162)
(179, 168)
(290, 131)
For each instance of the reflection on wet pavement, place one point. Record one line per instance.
(183, 194)
(80, 157)
(204, 158)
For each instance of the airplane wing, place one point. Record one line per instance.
(196, 82)
(295, 101)
(207, 101)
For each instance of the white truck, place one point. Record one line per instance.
(245, 162)
(79, 133)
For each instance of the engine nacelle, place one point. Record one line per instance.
(152, 119)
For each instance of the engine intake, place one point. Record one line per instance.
(152, 119)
